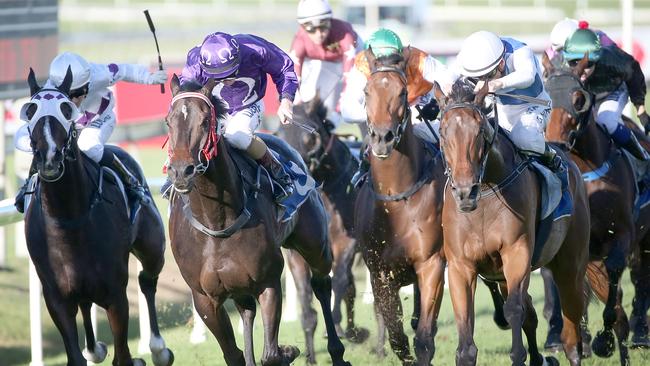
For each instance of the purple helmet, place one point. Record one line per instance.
(219, 55)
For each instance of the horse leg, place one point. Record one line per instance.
(462, 287)
(301, 276)
(216, 319)
(516, 269)
(353, 333)
(322, 285)
(571, 291)
(63, 314)
(390, 307)
(417, 305)
(433, 275)
(497, 300)
(640, 275)
(530, 329)
(118, 319)
(271, 304)
(160, 354)
(552, 312)
(95, 351)
(341, 282)
(379, 349)
(246, 307)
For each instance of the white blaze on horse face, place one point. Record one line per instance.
(384, 81)
(51, 144)
(184, 111)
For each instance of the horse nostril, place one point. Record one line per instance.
(189, 170)
(389, 137)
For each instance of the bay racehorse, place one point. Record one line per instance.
(79, 233)
(398, 212)
(226, 235)
(331, 163)
(491, 213)
(611, 186)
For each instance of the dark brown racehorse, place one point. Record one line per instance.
(611, 188)
(79, 233)
(398, 211)
(490, 217)
(331, 164)
(226, 235)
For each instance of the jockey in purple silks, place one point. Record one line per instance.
(240, 64)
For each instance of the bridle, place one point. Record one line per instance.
(209, 149)
(561, 87)
(318, 153)
(488, 140)
(407, 114)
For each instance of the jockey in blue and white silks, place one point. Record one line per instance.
(240, 64)
(91, 94)
(509, 66)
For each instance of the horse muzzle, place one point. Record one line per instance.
(51, 171)
(182, 177)
(382, 141)
(466, 196)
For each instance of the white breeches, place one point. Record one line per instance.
(608, 108)
(94, 136)
(238, 129)
(326, 78)
(525, 124)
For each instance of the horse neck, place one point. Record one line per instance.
(591, 147)
(70, 196)
(337, 166)
(218, 192)
(501, 160)
(401, 170)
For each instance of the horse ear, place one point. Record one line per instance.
(440, 96)
(480, 96)
(175, 85)
(371, 58)
(67, 81)
(406, 53)
(207, 88)
(582, 65)
(33, 84)
(548, 65)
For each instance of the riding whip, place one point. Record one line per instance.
(153, 30)
(303, 126)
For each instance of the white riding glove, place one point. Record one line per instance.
(157, 77)
(285, 111)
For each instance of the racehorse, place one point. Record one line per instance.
(330, 163)
(611, 187)
(226, 235)
(491, 213)
(398, 211)
(79, 233)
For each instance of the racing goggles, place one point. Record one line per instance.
(322, 25)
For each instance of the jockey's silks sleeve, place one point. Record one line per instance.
(278, 64)
(107, 75)
(524, 70)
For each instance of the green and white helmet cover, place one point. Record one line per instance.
(384, 42)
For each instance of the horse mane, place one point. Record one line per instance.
(219, 106)
(462, 91)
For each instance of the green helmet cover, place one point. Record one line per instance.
(384, 42)
(581, 42)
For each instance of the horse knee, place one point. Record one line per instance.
(147, 282)
(322, 285)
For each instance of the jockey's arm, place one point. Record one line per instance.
(297, 54)
(524, 71)
(130, 72)
(435, 71)
(353, 98)
(635, 82)
(279, 65)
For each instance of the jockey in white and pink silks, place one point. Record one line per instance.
(323, 52)
(90, 92)
(240, 64)
(564, 29)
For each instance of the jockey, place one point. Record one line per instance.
(509, 66)
(564, 29)
(240, 63)
(91, 94)
(421, 71)
(612, 76)
(323, 53)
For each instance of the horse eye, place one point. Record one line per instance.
(66, 110)
(31, 110)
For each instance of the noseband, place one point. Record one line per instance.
(561, 88)
(488, 140)
(407, 114)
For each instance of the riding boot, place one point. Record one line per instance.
(623, 137)
(19, 202)
(364, 167)
(275, 168)
(551, 159)
(132, 183)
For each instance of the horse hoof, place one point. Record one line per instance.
(357, 335)
(603, 344)
(553, 343)
(139, 362)
(289, 353)
(380, 353)
(500, 321)
(640, 341)
(98, 355)
(551, 361)
(586, 350)
(163, 358)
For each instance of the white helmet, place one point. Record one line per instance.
(313, 11)
(561, 31)
(480, 53)
(79, 67)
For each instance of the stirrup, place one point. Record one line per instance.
(139, 191)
